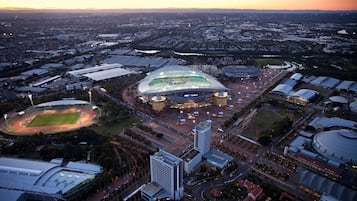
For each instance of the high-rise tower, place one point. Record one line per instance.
(167, 172)
(202, 139)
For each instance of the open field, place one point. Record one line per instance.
(54, 119)
(262, 121)
(117, 127)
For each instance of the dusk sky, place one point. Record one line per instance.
(158, 4)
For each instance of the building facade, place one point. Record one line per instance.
(167, 172)
(202, 140)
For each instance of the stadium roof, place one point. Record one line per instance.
(332, 122)
(282, 89)
(241, 71)
(63, 103)
(345, 85)
(289, 82)
(176, 78)
(326, 82)
(338, 145)
(37, 177)
(305, 94)
(107, 74)
(324, 185)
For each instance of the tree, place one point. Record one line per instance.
(264, 140)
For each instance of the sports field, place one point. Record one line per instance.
(54, 119)
(262, 121)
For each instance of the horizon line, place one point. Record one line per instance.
(167, 9)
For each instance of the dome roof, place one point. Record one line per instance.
(172, 79)
(338, 145)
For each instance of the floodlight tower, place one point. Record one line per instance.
(30, 97)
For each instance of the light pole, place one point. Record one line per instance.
(90, 96)
(5, 117)
(30, 97)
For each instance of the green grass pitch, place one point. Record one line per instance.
(54, 119)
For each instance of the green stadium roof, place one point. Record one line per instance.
(171, 79)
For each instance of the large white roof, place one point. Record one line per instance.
(107, 74)
(305, 94)
(283, 89)
(338, 145)
(177, 78)
(41, 177)
(63, 102)
(79, 73)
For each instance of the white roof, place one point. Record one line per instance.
(79, 73)
(40, 177)
(305, 94)
(338, 99)
(39, 83)
(345, 85)
(282, 89)
(296, 76)
(107, 74)
(338, 145)
(326, 82)
(63, 102)
(84, 166)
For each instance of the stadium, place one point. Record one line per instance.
(181, 87)
(338, 145)
(51, 117)
(240, 71)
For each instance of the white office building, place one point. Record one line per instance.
(166, 177)
(202, 140)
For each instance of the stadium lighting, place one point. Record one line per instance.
(30, 97)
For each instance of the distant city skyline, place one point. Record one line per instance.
(185, 4)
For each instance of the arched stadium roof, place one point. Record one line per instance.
(322, 122)
(241, 71)
(324, 185)
(171, 79)
(338, 145)
(282, 89)
(63, 102)
(306, 94)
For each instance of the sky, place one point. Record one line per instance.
(160, 4)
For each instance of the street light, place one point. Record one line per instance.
(90, 96)
(30, 97)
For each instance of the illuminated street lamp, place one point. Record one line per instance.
(90, 96)
(30, 97)
(5, 117)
